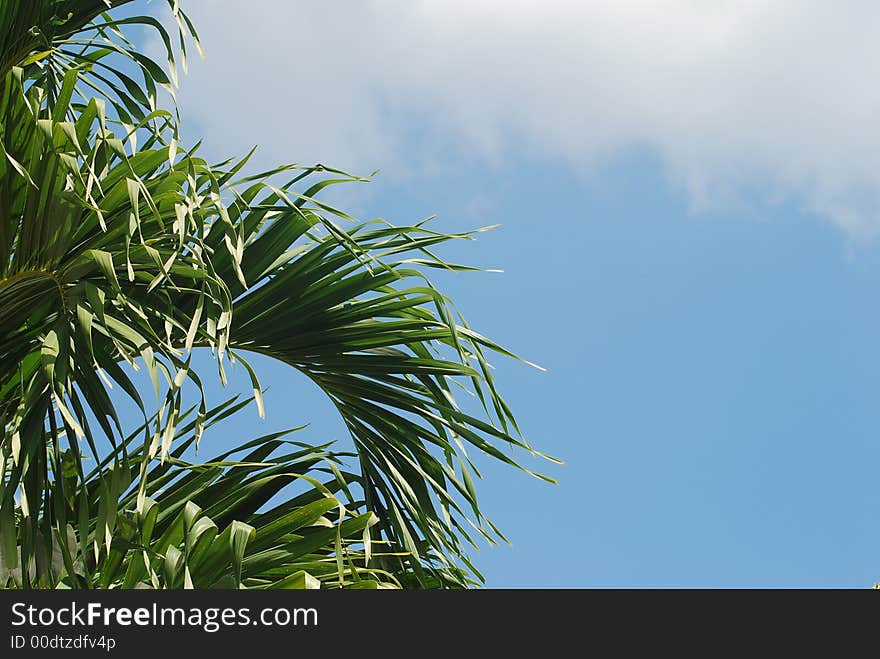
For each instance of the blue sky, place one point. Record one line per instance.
(689, 210)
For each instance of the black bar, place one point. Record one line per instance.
(549, 622)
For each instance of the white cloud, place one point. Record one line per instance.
(778, 96)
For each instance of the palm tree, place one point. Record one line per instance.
(119, 246)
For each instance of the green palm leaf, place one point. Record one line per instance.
(216, 524)
(119, 246)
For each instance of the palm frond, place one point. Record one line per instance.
(216, 524)
(384, 345)
(116, 252)
(49, 39)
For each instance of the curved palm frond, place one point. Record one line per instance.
(216, 524)
(113, 251)
(48, 39)
(372, 332)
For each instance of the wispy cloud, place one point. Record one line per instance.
(778, 98)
